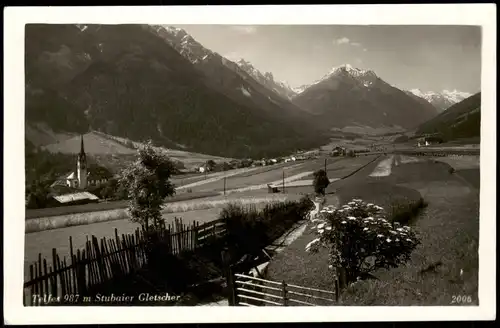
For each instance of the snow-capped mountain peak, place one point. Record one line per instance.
(441, 100)
(352, 71)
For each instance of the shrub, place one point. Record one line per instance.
(361, 240)
(404, 211)
(249, 230)
(320, 182)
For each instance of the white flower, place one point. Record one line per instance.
(365, 229)
(370, 205)
(369, 218)
(379, 207)
(330, 266)
(400, 229)
(388, 240)
(393, 232)
(308, 246)
(408, 239)
(321, 230)
(406, 227)
(328, 228)
(343, 222)
(397, 239)
(352, 218)
(357, 200)
(340, 211)
(380, 236)
(321, 225)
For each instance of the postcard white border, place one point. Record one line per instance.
(415, 14)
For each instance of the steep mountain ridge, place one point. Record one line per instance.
(267, 79)
(126, 81)
(230, 78)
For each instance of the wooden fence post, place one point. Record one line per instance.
(337, 289)
(283, 286)
(342, 277)
(229, 278)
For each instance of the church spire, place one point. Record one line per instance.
(82, 149)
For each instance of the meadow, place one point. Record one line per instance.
(446, 262)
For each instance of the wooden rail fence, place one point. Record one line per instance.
(252, 291)
(99, 262)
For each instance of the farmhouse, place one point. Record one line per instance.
(338, 151)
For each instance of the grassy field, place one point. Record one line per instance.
(448, 228)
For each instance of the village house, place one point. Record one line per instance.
(428, 141)
(338, 151)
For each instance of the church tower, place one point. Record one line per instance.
(81, 167)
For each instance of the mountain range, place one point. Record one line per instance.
(157, 82)
(461, 120)
(441, 100)
(126, 80)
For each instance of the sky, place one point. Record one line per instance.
(429, 58)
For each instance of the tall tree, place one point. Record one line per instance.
(320, 182)
(147, 182)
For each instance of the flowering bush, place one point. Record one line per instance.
(361, 239)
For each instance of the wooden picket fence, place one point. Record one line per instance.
(100, 262)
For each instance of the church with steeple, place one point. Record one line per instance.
(82, 178)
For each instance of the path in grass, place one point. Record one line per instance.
(294, 265)
(384, 167)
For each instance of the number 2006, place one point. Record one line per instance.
(461, 299)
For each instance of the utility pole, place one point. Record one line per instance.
(283, 181)
(224, 186)
(325, 165)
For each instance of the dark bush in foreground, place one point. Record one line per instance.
(250, 230)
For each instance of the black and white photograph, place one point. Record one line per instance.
(187, 165)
